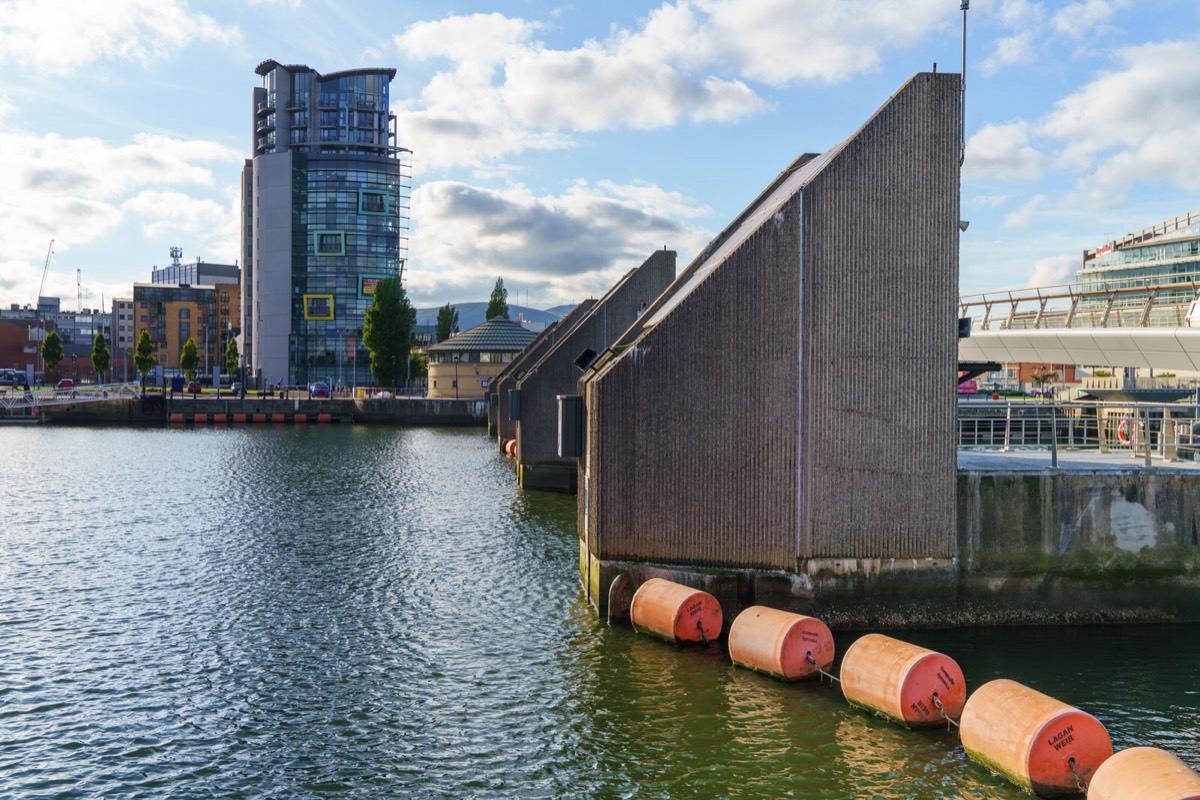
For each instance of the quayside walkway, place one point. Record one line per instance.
(92, 393)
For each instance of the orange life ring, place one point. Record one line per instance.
(1125, 431)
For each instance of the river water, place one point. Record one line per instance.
(356, 612)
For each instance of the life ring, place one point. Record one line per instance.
(1125, 434)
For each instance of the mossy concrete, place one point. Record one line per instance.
(1032, 549)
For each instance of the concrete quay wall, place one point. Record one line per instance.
(1031, 549)
(389, 411)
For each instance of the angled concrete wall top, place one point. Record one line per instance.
(506, 427)
(792, 395)
(555, 372)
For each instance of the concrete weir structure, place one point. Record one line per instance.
(557, 371)
(500, 421)
(736, 442)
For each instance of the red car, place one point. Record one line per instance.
(194, 387)
(66, 383)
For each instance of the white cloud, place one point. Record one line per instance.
(1018, 13)
(1081, 19)
(1002, 151)
(1010, 50)
(1055, 270)
(690, 60)
(1134, 124)
(78, 191)
(60, 36)
(989, 200)
(560, 247)
(1025, 216)
(1157, 90)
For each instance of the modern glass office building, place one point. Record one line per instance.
(326, 219)
(1161, 262)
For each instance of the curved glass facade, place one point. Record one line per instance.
(344, 189)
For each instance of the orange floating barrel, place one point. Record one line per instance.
(278, 419)
(675, 612)
(510, 447)
(219, 419)
(324, 419)
(1144, 773)
(780, 642)
(259, 419)
(200, 419)
(239, 419)
(300, 419)
(1033, 740)
(900, 681)
(177, 419)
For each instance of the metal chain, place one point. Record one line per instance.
(937, 703)
(809, 657)
(703, 635)
(1079, 779)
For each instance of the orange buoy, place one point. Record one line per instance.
(1144, 773)
(200, 419)
(902, 682)
(278, 419)
(300, 419)
(259, 419)
(239, 419)
(177, 419)
(510, 447)
(219, 419)
(324, 419)
(1033, 740)
(780, 643)
(675, 612)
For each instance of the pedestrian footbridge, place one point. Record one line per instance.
(1155, 327)
(40, 398)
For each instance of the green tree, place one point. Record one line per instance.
(1043, 377)
(232, 356)
(100, 356)
(143, 356)
(498, 304)
(52, 350)
(189, 359)
(447, 322)
(387, 331)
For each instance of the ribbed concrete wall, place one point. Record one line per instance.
(880, 342)
(555, 372)
(795, 398)
(506, 428)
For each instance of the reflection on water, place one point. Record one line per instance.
(372, 612)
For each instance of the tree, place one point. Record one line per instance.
(1043, 377)
(447, 322)
(52, 350)
(143, 356)
(498, 304)
(189, 359)
(100, 356)
(232, 357)
(387, 331)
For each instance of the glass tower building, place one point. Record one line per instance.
(325, 219)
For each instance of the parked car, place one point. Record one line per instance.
(318, 390)
(66, 383)
(236, 388)
(194, 387)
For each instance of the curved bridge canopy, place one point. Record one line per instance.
(1154, 348)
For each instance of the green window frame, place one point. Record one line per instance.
(329, 243)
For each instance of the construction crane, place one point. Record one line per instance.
(45, 270)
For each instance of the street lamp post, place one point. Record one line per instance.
(454, 358)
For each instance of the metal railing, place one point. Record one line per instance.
(89, 393)
(1168, 431)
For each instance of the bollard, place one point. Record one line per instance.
(1032, 739)
(1144, 773)
(780, 643)
(675, 612)
(902, 682)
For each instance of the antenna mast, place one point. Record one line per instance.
(962, 119)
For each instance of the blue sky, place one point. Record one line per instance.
(556, 145)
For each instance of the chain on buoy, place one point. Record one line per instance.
(937, 703)
(809, 658)
(1080, 781)
(703, 635)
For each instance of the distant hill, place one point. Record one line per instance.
(561, 311)
(472, 314)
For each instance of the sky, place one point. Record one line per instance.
(555, 145)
